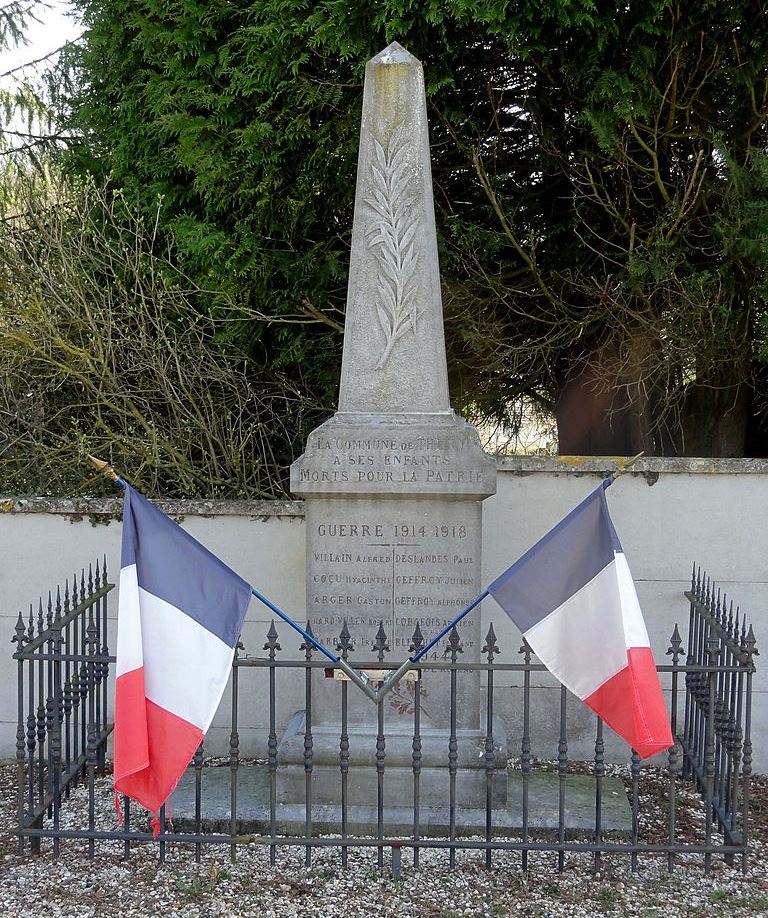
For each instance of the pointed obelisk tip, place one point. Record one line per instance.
(394, 54)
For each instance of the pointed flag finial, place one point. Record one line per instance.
(625, 467)
(104, 467)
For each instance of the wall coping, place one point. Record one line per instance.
(99, 508)
(603, 465)
(112, 507)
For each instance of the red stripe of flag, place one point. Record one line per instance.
(631, 703)
(153, 747)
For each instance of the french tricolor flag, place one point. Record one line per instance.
(180, 615)
(573, 598)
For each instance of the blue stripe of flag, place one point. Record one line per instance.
(559, 564)
(174, 566)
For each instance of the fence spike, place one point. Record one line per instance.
(31, 624)
(305, 645)
(344, 643)
(272, 644)
(490, 647)
(20, 630)
(455, 646)
(675, 644)
(380, 644)
(104, 571)
(57, 616)
(90, 576)
(417, 641)
(751, 642)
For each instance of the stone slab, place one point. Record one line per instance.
(398, 748)
(543, 793)
(394, 455)
(362, 785)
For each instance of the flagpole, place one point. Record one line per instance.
(623, 469)
(394, 677)
(361, 680)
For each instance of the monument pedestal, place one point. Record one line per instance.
(362, 785)
(253, 808)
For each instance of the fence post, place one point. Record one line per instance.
(712, 653)
(18, 639)
(490, 648)
(749, 652)
(234, 752)
(674, 650)
(381, 647)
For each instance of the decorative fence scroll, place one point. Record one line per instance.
(63, 676)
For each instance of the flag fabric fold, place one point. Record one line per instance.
(181, 610)
(573, 598)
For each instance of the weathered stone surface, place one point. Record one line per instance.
(394, 349)
(543, 802)
(398, 763)
(393, 482)
(394, 454)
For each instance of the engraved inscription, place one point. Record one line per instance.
(400, 571)
(390, 460)
(391, 237)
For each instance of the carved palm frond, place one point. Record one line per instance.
(392, 239)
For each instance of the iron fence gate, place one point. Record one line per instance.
(63, 662)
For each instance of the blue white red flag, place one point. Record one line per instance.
(180, 615)
(573, 598)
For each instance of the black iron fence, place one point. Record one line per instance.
(63, 664)
(716, 737)
(63, 669)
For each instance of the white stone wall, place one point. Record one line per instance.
(672, 513)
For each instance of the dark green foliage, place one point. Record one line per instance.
(600, 184)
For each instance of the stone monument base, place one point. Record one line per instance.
(362, 784)
(543, 794)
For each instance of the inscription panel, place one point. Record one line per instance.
(352, 459)
(399, 563)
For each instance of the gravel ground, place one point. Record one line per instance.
(75, 887)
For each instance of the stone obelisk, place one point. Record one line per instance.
(394, 481)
